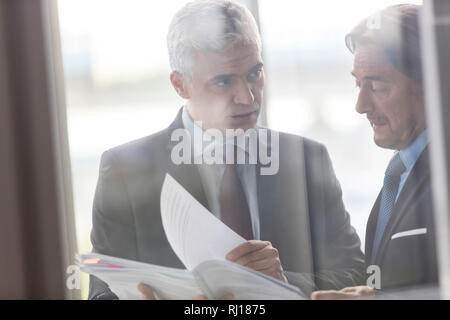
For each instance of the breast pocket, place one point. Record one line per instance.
(409, 233)
(405, 258)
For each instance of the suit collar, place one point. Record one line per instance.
(419, 174)
(416, 180)
(412, 153)
(176, 124)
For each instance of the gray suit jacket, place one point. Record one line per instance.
(319, 245)
(407, 252)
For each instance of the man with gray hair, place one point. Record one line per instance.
(400, 235)
(215, 55)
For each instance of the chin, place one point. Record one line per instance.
(386, 143)
(244, 125)
(247, 126)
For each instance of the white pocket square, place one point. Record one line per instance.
(412, 232)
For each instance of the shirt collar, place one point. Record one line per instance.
(410, 154)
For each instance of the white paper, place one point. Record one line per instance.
(123, 277)
(194, 233)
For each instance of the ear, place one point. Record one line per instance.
(179, 83)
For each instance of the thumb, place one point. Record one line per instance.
(147, 292)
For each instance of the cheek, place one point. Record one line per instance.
(215, 100)
(399, 116)
(258, 91)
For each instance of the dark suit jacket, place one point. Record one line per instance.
(408, 260)
(127, 219)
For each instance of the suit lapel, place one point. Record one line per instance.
(415, 181)
(266, 202)
(371, 229)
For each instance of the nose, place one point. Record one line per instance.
(244, 94)
(364, 104)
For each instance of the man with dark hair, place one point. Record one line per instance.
(400, 235)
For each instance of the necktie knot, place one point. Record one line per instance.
(395, 167)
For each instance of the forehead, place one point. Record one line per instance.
(371, 61)
(235, 61)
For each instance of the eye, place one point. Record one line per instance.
(378, 88)
(224, 82)
(254, 75)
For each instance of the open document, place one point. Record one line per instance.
(201, 241)
(194, 233)
(213, 278)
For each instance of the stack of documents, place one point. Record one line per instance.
(201, 241)
(123, 277)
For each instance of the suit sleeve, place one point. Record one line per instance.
(343, 262)
(113, 228)
(338, 260)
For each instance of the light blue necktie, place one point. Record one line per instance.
(388, 194)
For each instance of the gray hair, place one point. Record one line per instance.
(208, 25)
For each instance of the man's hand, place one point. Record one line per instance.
(260, 256)
(149, 294)
(360, 292)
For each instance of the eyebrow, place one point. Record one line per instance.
(256, 67)
(373, 78)
(221, 77)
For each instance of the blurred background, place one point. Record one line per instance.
(117, 85)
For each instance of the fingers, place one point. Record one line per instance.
(358, 292)
(254, 254)
(275, 272)
(147, 292)
(331, 295)
(260, 256)
(265, 262)
(227, 296)
(365, 292)
(246, 248)
(255, 259)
